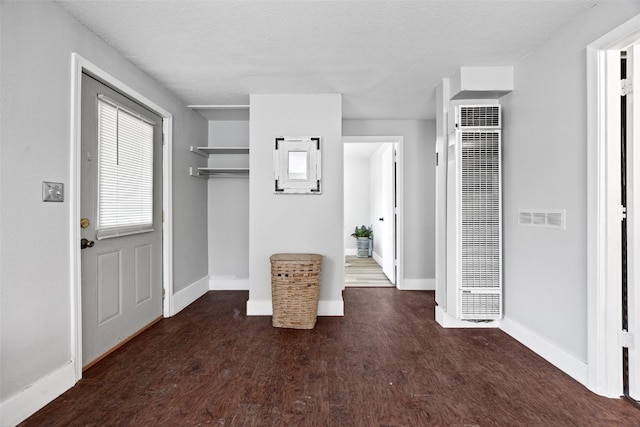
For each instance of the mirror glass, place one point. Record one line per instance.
(298, 167)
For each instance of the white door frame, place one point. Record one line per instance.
(604, 349)
(399, 141)
(78, 66)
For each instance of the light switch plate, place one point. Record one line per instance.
(52, 191)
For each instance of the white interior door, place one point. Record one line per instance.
(121, 264)
(387, 220)
(633, 219)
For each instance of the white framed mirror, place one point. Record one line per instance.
(296, 165)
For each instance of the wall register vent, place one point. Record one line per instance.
(549, 218)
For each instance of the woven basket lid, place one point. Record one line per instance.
(296, 257)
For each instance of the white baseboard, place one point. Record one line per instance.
(560, 358)
(350, 251)
(331, 308)
(21, 406)
(552, 353)
(448, 321)
(186, 296)
(325, 308)
(259, 307)
(419, 284)
(228, 283)
(376, 257)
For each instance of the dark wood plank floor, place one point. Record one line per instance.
(386, 363)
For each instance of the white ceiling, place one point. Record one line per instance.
(385, 57)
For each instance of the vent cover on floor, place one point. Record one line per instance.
(549, 218)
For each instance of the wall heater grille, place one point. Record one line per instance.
(478, 117)
(477, 191)
(480, 209)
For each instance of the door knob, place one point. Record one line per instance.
(84, 243)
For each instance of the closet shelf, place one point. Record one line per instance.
(219, 172)
(206, 151)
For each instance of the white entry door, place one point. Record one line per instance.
(633, 219)
(388, 223)
(121, 226)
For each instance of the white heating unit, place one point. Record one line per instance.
(474, 214)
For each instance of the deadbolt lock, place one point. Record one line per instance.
(84, 222)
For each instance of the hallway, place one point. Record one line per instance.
(364, 273)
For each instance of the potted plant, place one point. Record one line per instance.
(363, 235)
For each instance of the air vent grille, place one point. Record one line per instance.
(481, 305)
(479, 116)
(480, 209)
(549, 218)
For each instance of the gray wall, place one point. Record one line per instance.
(357, 195)
(419, 187)
(37, 41)
(228, 202)
(296, 222)
(545, 151)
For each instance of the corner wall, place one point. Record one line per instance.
(295, 222)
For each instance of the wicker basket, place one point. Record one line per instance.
(295, 289)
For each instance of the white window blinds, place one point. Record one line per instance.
(125, 171)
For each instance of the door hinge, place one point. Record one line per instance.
(627, 340)
(162, 216)
(626, 87)
(163, 294)
(623, 212)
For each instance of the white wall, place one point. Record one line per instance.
(228, 208)
(290, 222)
(356, 198)
(37, 41)
(419, 187)
(545, 270)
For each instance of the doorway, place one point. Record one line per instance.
(372, 191)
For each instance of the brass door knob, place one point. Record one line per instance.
(84, 243)
(84, 222)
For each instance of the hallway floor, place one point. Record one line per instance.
(385, 363)
(364, 273)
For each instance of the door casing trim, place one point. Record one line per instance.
(78, 66)
(603, 198)
(399, 143)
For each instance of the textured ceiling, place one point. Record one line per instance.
(385, 57)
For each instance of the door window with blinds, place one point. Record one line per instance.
(125, 171)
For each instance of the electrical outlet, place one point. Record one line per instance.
(52, 191)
